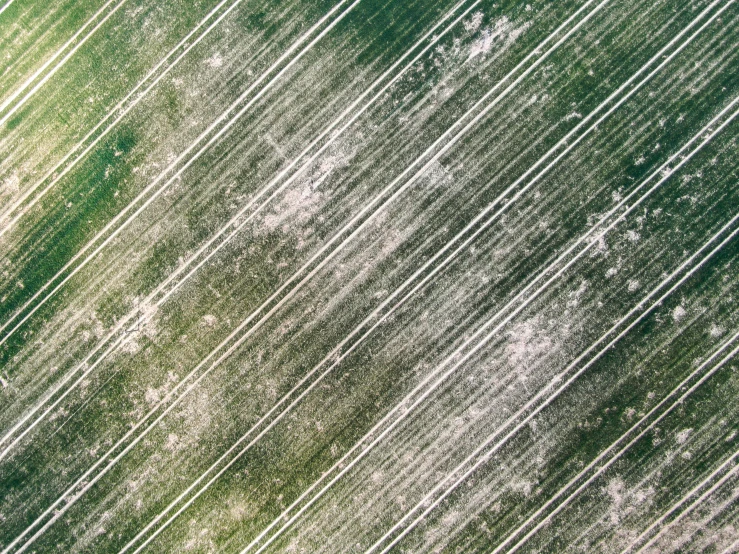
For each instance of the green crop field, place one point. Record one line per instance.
(353, 276)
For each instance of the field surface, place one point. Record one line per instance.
(353, 276)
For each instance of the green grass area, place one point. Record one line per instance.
(290, 298)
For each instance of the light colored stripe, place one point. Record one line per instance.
(58, 66)
(426, 501)
(233, 224)
(6, 6)
(161, 515)
(89, 484)
(5, 227)
(333, 354)
(732, 548)
(559, 377)
(233, 221)
(431, 505)
(616, 456)
(62, 510)
(406, 408)
(179, 158)
(684, 499)
(342, 461)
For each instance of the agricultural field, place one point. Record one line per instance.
(369, 276)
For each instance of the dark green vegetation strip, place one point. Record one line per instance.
(376, 275)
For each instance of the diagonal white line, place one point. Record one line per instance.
(233, 221)
(333, 355)
(426, 501)
(559, 144)
(161, 515)
(657, 172)
(720, 507)
(684, 499)
(408, 408)
(118, 109)
(180, 158)
(58, 513)
(699, 527)
(601, 469)
(58, 66)
(6, 6)
(367, 208)
(732, 548)
(426, 380)
(233, 224)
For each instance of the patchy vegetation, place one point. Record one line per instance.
(369, 276)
